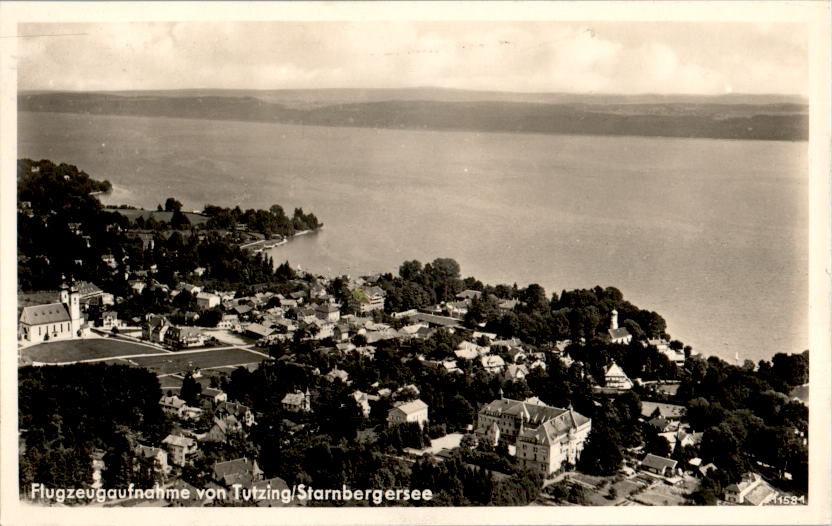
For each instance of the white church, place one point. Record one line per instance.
(53, 321)
(618, 334)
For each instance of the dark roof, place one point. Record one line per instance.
(620, 332)
(240, 470)
(88, 289)
(40, 314)
(468, 294)
(657, 462)
(259, 330)
(649, 409)
(433, 319)
(534, 414)
(659, 422)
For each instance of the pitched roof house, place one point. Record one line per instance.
(298, 401)
(668, 411)
(515, 372)
(413, 411)
(238, 471)
(616, 378)
(662, 466)
(492, 363)
(752, 489)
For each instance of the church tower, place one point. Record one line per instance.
(73, 305)
(65, 294)
(613, 320)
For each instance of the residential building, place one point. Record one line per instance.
(363, 402)
(370, 298)
(492, 363)
(214, 395)
(183, 337)
(257, 330)
(109, 319)
(242, 412)
(515, 372)
(406, 412)
(229, 322)
(238, 471)
(173, 405)
(677, 357)
(179, 448)
(223, 425)
(328, 312)
(664, 467)
(752, 490)
(469, 294)
(338, 374)
(297, 402)
(206, 300)
(154, 329)
(158, 456)
(658, 409)
(616, 378)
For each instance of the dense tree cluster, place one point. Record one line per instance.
(63, 232)
(748, 417)
(273, 221)
(66, 412)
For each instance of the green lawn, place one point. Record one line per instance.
(180, 363)
(72, 350)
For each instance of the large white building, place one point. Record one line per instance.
(53, 321)
(544, 437)
(413, 411)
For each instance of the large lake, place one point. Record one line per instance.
(712, 234)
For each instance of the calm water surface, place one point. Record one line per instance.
(711, 234)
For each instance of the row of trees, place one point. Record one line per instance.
(536, 319)
(273, 221)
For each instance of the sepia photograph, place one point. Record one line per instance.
(470, 265)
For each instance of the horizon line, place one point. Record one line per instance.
(437, 88)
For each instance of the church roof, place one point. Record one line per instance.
(620, 332)
(41, 314)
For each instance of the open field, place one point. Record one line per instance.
(182, 362)
(87, 349)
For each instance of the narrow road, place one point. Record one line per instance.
(247, 348)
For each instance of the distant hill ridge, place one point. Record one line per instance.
(730, 116)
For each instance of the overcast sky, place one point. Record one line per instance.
(600, 57)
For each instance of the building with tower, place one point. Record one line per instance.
(298, 401)
(53, 321)
(618, 334)
(544, 437)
